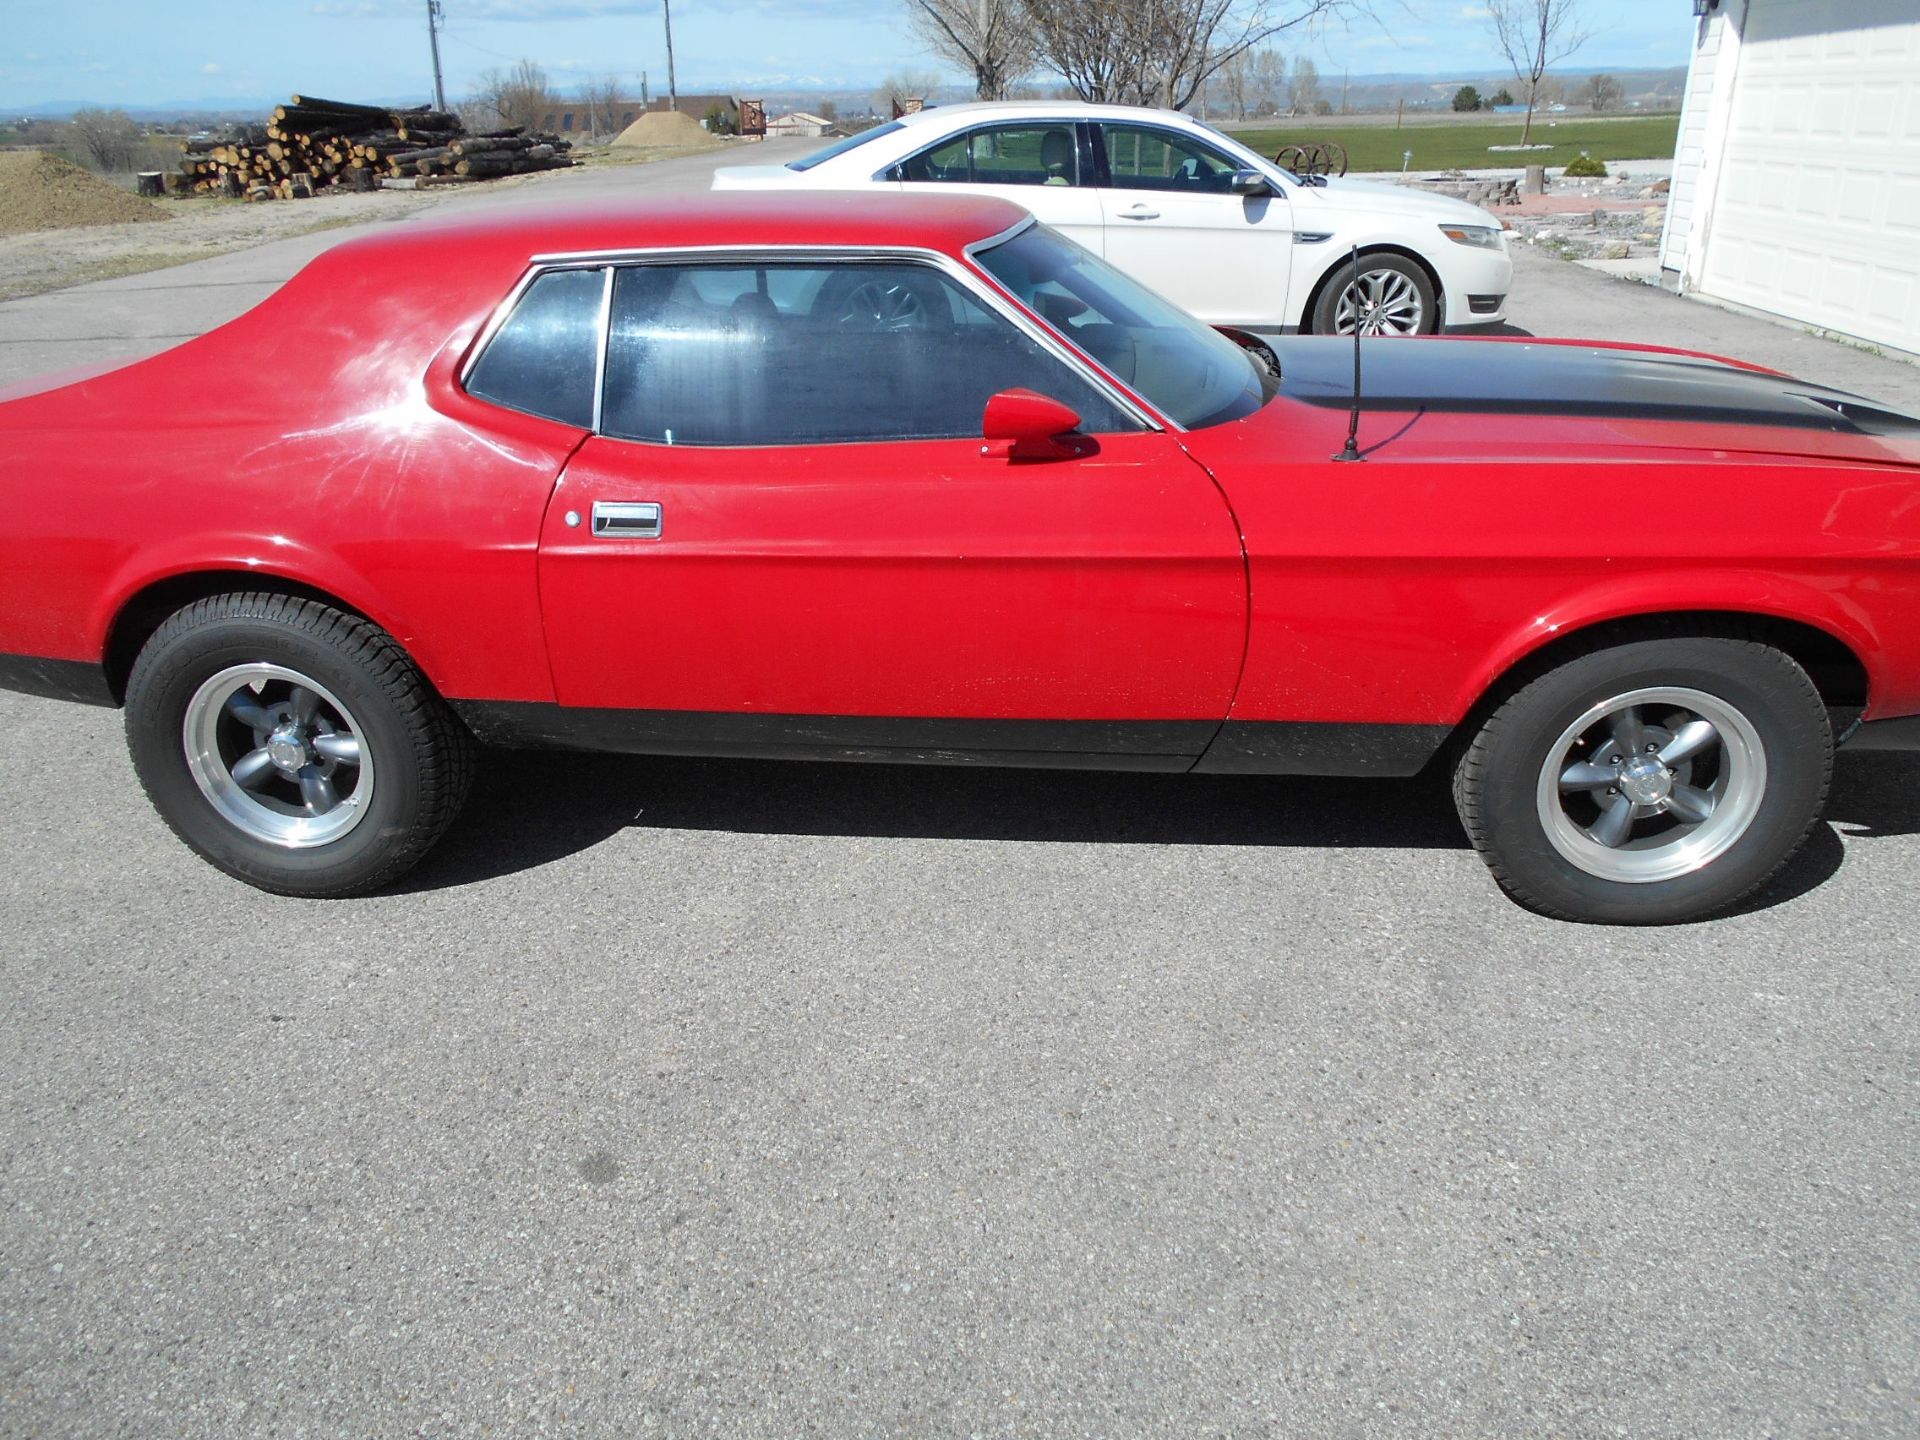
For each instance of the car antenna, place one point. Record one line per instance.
(1352, 449)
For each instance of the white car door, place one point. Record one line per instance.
(1171, 219)
(1042, 165)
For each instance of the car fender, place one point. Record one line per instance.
(1651, 595)
(251, 560)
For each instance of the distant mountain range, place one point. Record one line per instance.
(1372, 92)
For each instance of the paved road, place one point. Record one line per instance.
(690, 1098)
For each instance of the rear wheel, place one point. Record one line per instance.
(1656, 781)
(292, 745)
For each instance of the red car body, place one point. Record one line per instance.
(1331, 617)
(1696, 574)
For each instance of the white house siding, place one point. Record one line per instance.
(1815, 213)
(1715, 54)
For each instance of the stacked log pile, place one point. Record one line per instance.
(310, 144)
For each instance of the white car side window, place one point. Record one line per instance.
(1141, 157)
(1003, 155)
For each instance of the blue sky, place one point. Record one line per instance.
(138, 52)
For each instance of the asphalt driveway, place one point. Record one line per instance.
(699, 1098)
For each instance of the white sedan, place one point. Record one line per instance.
(1229, 235)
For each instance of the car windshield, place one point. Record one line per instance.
(840, 147)
(1191, 373)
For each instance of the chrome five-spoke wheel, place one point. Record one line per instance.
(255, 720)
(1650, 781)
(278, 755)
(1652, 784)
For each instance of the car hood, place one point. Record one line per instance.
(1630, 396)
(1374, 197)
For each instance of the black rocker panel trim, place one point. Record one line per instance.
(1900, 733)
(1288, 747)
(80, 680)
(1204, 746)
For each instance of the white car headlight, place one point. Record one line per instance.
(1483, 237)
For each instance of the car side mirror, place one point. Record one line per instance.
(1250, 182)
(1026, 425)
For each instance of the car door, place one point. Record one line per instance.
(1044, 165)
(788, 536)
(1170, 218)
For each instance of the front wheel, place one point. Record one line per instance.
(292, 745)
(1653, 782)
(1381, 295)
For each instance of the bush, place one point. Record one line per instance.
(1466, 98)
(1585, 167)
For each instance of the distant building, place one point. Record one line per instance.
(700, 106)
(798, 123)
(571, 118)
(1796, 180)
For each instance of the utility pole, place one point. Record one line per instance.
(673, 96)
(433, 39)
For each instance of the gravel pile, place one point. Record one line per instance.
(664, 127)
(39, 191)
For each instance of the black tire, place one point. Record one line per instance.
(1397, 276)
(412, 759)
(1526, 801)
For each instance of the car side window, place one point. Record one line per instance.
(542, 359)
(1001, 155)
(1140, 157)
(818, 353)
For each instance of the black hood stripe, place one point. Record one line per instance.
(1506, 378)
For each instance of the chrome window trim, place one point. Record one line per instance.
(500, 315)
(975, 282)
(601, 334)
(1137, 402)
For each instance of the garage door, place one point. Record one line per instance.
(1818, 212)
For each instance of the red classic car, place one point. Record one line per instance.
(919, 480)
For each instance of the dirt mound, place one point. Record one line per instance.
(39, 191)
(663, 127)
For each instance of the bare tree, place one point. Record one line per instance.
(1602, 92)
(1534, 34)
(1159, 52)
(600, 98)
(896, 90)
(519, 96)
(1303, 87)
(989, 37)
(1234, 81)
(1267, 78)
(109, 137)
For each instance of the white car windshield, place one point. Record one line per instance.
(1191, 373)
(840, 147)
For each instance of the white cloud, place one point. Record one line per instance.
(212, 67)
(1474, 12)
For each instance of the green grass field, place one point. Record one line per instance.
(1464, 147)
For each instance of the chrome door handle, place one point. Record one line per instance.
(618, 520)
(1139, 212)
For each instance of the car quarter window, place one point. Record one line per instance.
(1142, 157)
(1001, 155)
(797, 353)
(542, 359)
